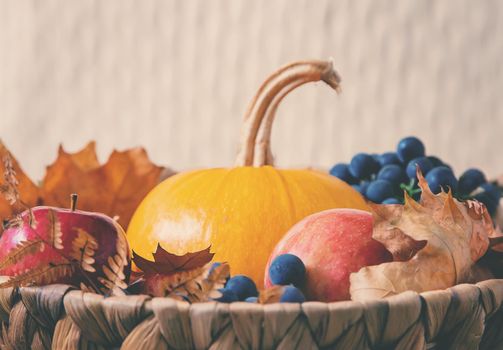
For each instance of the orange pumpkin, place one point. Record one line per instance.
(245, 210)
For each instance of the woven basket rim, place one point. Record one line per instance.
(463, 316)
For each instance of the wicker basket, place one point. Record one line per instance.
(58, 317)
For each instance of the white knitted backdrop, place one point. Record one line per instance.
(176, 76)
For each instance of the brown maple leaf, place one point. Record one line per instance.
(166, 263)
(114, 188)
(188, 277)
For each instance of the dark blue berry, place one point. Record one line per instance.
(251, 300)
(392, 173)
(389, 158)
(423, 163)
(341, 171)
(489, 201)
(435, 161)
(391, 201)
(228, 296)
(364, 185)
(492, 190)
(379, 190)
(243, 286)
(292, 294)
(287, 269)
(362, 166)
(470, 180)
(409, 148)
(441, 178)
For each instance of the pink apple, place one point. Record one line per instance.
(106, 237)
(332, 244)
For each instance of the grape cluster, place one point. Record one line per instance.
(383, 178)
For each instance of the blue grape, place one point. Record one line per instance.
(287, 269)
(391, 201)
(424, 164)
(375, 156)
(392, 173)
(441, 178)
(292, 294)
(492, 190)
(364, 185)
(435, 161)
(251, 300)
(389, 158)
(409, 148)
(470, 180)
(228, 296)
(379, 190)
(489, 201)
(243, 286)
(362, 166)
(341, 171)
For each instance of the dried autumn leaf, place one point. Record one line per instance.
(55, 233)
(201, 288)
(114, 268)
(271, 295)
(41, 275)
(166, 263)
(187, 277)
(435, 245)
(83, 250)
(114, 188)
(21, 250)
(28, 191)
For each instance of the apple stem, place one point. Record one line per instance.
(73, 201)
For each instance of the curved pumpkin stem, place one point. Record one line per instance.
(259, 117)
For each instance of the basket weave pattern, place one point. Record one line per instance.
(463, 317)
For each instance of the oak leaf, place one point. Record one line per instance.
(435, 244)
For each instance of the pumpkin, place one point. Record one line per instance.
(242, 212)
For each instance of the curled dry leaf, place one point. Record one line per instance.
(435, 244)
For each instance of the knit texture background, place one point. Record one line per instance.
(176, 77)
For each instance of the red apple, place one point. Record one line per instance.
(105, 238)
(332, 244)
